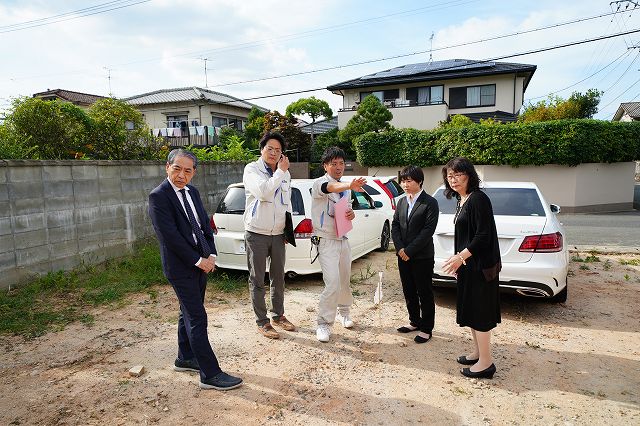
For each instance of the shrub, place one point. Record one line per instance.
(566, 142)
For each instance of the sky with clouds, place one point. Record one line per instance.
(159, 44)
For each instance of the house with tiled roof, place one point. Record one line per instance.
(190, 107)
(320, 126)
(83, 100)
(423, 94)
(627, 111)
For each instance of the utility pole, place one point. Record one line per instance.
(109, 77)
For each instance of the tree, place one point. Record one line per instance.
(313, 107)
(298, 142)
(371, 116)
(255, 127)
(48, 130)
(555, 108)
(120, 133)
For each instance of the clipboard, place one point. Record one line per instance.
(343, 225)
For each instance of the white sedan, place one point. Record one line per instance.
(370, 228)
(535, 259)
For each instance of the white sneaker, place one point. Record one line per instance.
(323, 332)
(345, 320)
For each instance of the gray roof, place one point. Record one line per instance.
(439, 70)
(322, 126)
(630, 108)
(186, 94)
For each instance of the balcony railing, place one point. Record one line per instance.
(396, 103)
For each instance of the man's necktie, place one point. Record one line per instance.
(205, 251)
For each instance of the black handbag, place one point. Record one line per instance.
(288, 229)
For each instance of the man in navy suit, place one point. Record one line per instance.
(188, 253)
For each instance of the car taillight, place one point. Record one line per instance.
(304, 229)
(386, 191)
(213, 226)
(546, 243)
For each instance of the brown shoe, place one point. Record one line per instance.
(283, 323)
(268, 331)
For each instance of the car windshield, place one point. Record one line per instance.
(370, 190)
(505, 202)
(233, 201)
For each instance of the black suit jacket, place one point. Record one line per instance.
(415, 235)
(178, 249)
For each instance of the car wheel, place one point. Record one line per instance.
(562, 296)
(385, 237)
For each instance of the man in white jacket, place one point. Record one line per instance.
(267, 185)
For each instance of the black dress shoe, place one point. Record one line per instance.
(466, 361)
(221, 381)
(487, 373)
(420, 339)
(405, 329)
(186, 365)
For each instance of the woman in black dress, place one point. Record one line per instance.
(476, 263)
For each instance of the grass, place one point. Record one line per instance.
(632, 262)
(59, 298)
(363, 274)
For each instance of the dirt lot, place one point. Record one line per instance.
(573, 363)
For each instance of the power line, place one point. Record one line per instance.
(513, 55)
(623, 92)
(414, 53)
(623, 74)
(65, 16)
(626, 52)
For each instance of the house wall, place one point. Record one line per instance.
(56, 215)
(590, 187)
(155, 115)
(509, 98)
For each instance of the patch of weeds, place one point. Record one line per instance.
(123, 382)
(457, 390)
(587, 392)
(228, 282)
(627, 277)
(607, 265)
(59, 298)
(602, 394)
(632, 262)
(87, 319)
(153, 293)
(356, 292)
(550, 405)
(571, 274)
(577, 258)
(591, 258)
(363, 274)
(584, 267)
(532, 345)
(149, 314)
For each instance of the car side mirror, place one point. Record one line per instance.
(377, 204)
(554, 208)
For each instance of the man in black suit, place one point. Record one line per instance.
(414, 223)
(188, 253)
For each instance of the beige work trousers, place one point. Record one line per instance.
(335, 261)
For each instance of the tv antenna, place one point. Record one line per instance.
(109, 77)
(206, 82)
(431, 47)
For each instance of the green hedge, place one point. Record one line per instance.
(566, 142)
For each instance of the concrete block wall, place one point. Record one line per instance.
(56, 215)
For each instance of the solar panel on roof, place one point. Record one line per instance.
(420, 68)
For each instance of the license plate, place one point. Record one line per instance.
(241, 248)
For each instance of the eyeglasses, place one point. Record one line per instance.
(455, 176)
(335, 164)
(273, 150)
